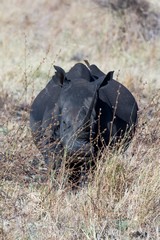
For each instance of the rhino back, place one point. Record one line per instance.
(119, 97)
(79, 71)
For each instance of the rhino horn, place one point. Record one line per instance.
(87, 63)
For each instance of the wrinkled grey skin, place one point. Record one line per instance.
(73, 132)
(77, 107)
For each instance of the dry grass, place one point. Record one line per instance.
(121, 200)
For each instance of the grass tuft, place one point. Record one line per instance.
(121, 199)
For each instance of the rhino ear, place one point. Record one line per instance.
(103, 81)
(60, 74)
(107, 78)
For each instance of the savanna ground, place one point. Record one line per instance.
(122, 200)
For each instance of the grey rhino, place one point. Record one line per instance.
(80, 111)
(44, 117)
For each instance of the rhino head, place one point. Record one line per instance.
(76, 113)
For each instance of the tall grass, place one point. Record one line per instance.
(121, 199)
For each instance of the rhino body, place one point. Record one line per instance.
(80, 111)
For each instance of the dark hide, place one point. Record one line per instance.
(43, 105)
(79, 71)
(78, 110)
(118, 98)
(119, 109)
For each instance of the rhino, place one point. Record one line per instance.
(82, 111)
